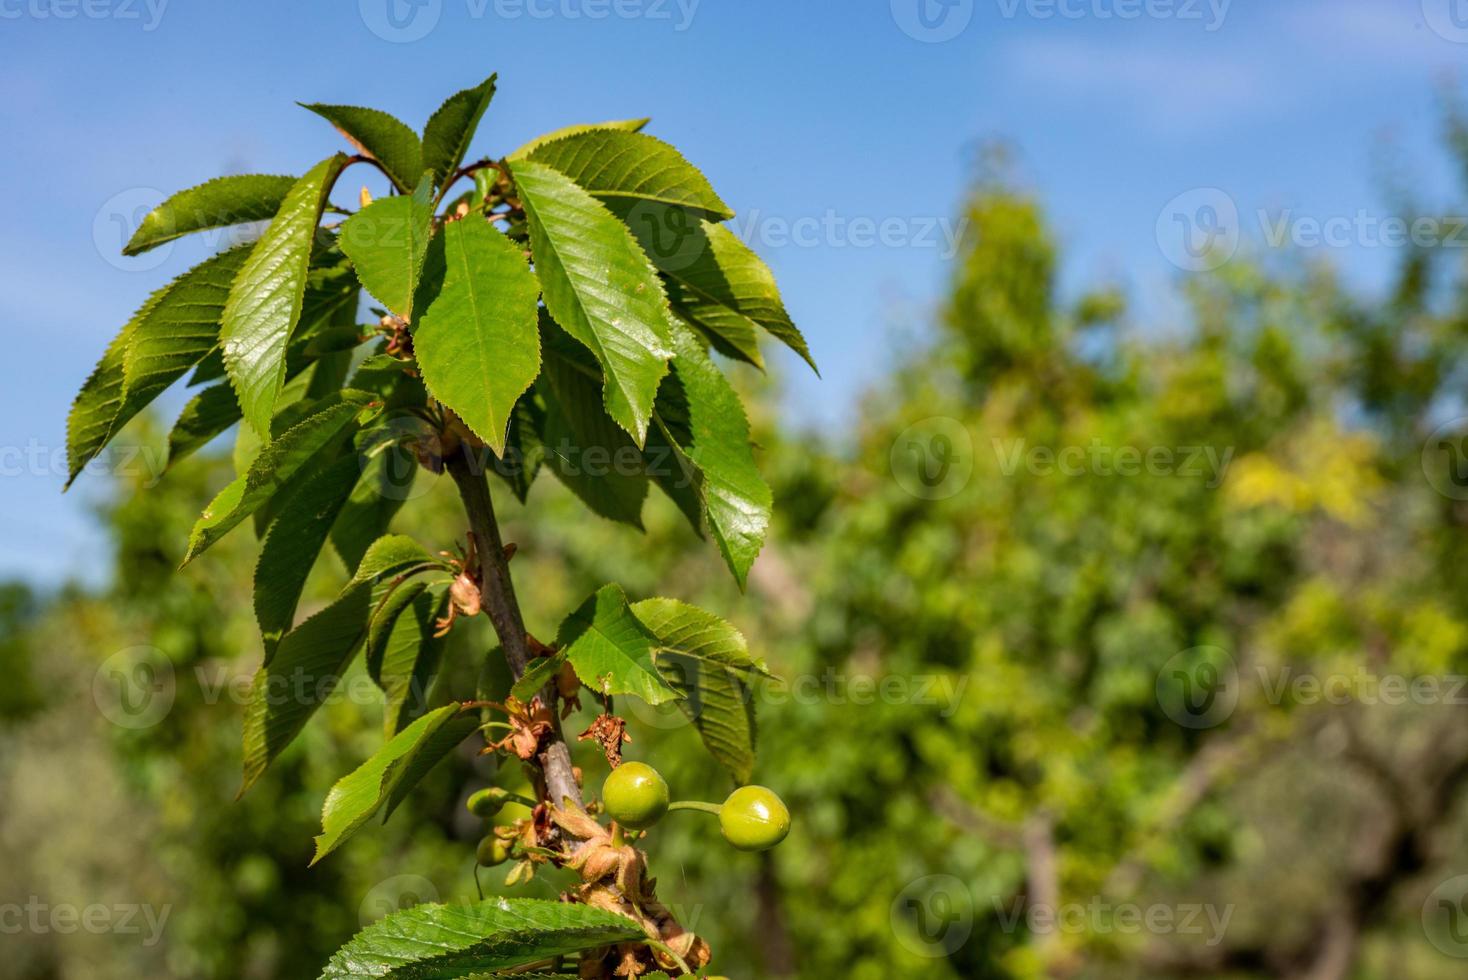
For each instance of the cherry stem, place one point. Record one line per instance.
(619, 839)
(713, 808)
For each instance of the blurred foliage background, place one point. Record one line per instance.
(1087, 629)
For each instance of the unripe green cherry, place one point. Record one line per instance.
(753, 818)
(487, 802)
(635, 795)
(492, 851)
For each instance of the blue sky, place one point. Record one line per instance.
(844, 133)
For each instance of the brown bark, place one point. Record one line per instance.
(498, 598)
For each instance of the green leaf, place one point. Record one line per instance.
(600, 288)
(294, 541)
(380, 136)
(265, 301)
(208, 415)
(477, 341)
(393, 769)
(378, 496)
(173, 330)
(403, 652)
(715, 281)
(594, 457)
(217, 203)
(309, 661)
(701, 416)
(524, 451)
(627, 125)
(439, 942)
(274, 465)
(611, 650)
(622, 166)
(707, 661)
(386, 241)
(450, 129)
(181, 328)
(540, 673)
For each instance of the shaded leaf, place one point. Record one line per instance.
(701, 416)
(714, 280)
(274, 465)
(403, 653)
(208, 414)
(392, 770)
(541, 672)
(294, 541)
(706, 660)
(309, 661)
(594, 457)
(216, 203)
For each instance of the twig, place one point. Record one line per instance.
(498, 596)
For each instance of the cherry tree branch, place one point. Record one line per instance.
(497, 591)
